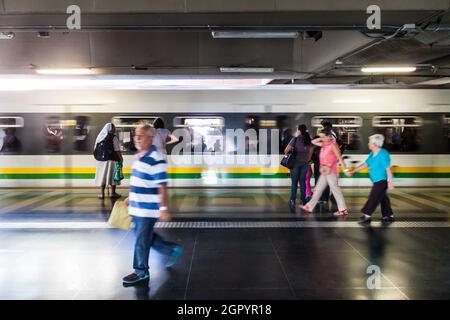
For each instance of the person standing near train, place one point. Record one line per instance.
(379, 164)
(330, 155)
(163, 136)
(147, 203)
(328, 124)
(326, 193)
(302, 148)
(104, 175)
(308, 180)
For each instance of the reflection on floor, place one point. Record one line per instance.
(239, 244)
(316, 263)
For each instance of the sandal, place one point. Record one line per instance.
(306, 208)
(341, 213)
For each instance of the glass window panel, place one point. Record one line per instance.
(10, 130)
(347, 129)
(401, 134)
(81, 132)
(125, 127)
(54, 134)
(447, 131)
(206, 132)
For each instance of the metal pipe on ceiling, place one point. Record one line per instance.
(200, 28)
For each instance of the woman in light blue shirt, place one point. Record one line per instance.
(379, 164)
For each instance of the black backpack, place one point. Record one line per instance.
(104, 150)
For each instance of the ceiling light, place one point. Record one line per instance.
(251, 70)
(398, 69)
(254, 34)
(74, 71)
(6, 35)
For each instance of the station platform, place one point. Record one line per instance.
(239, 244)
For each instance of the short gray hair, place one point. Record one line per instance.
(377, 139)
(149, 130)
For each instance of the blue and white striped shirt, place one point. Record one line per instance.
(147, 175)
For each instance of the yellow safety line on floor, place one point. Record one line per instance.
(55, 203)
(426, 202)
(23, 204)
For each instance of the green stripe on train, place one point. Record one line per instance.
(77, 176)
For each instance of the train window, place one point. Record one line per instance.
(54, 134)
(125, 126)
(447, 130)
(401, 134)
(268, 124)
(81, 132)
(347, 129)
(206, 132)
(252, 122)
(9, 130)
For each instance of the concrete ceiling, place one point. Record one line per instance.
(173, 38)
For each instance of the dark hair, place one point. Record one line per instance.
(305, 134)
(158, 124)
(287, 133)
(326, 131)
(326, 124)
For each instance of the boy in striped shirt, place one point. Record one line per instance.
(147, 203)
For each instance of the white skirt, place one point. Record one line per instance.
(104, 176)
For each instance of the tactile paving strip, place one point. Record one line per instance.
(225, 224)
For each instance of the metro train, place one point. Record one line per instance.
(47, 138)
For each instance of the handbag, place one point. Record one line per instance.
(118, 174)
(119, 217)
(288, 160)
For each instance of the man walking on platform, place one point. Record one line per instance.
(147, 204)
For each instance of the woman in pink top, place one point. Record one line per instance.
(330, 155)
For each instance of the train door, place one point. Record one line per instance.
(55, 135)
(56, 132)
(81, 134)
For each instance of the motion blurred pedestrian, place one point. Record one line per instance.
(104, 175)
(302, 148)
(329, 157)
(379, 164)
(147, 203)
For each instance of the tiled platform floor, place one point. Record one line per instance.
(412, 203)
(301, 263)
(316, 257)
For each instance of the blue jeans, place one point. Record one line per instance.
(298, 173)
(146, 238)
